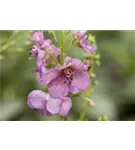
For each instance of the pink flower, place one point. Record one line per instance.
(43, 50)
(79, 33)
(70, 78)
(38, 38)
(81, 39)
(47, 105)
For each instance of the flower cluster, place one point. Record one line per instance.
(63, 78)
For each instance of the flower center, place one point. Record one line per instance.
(33, 50)
(68, 72)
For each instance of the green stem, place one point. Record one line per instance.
(82, 115)
(62, 47)
(88, 93)
(85, 106)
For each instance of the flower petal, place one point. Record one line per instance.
(68, 60)
(37, 99)
(46, 77)
(38, 37)
(46, 43)
(54, 50)
(80, 82)
(40, 60)
(41, 75)
(53, 105)
(87, 46)
(79, 33)
(45, 112)
(78, 65)
(59, 68)
(58, 87)
(34, 51)
(65, 106)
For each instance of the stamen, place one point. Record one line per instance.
(68, 72)
(64, 81)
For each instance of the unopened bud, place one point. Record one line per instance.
(91, 102)
(93, 75)
(97, 56)
(96, 82)
(92, 39)
(98, 63)
(76, 94)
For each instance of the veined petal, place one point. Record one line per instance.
(80, 82)
(78, 65)
(37, 99)
(79, 33)
(54, 50)
(48, 76)
(40, 60)
(87, 46)
(58, 87)
(65, 106)
(38, 37)
(53, 105)
(46, 44)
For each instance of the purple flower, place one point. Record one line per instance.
(86, 45)
(38, 38)
(46, 57)
(70, 78)
(44, 50)
(79, 33)
(47, 105)
(81, 39)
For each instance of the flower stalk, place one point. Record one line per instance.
(67, 78)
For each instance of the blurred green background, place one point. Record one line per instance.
(114, 95)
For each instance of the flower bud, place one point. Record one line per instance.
(97, 56)
(91, 39)
(93, 75)
(76, 94)
(97, 63)
(91, 102)
(96, 82)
